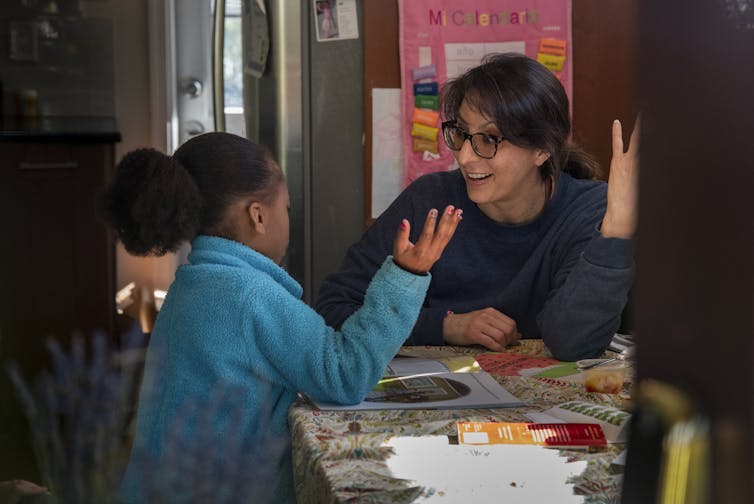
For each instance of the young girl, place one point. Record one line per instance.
(233, 318)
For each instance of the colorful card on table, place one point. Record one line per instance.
(511, 364)
(543, 434)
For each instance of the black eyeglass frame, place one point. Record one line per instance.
(470, 137)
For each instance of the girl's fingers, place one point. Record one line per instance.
(401, 237)
(429, 227)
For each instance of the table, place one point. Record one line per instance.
(343, 456)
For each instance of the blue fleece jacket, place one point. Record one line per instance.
(556, 276)
(234, 320)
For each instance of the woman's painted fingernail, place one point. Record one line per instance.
(404, 224)
(451, 208)
(433, 213)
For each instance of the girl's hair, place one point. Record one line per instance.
(528, 105)
(155, 201)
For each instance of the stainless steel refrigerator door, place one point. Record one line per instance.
(308, 107)
(193, 67)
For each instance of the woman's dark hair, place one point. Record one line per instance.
(155, 201)
(528, 105)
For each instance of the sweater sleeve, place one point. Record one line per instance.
(305, 354)
(583, 310)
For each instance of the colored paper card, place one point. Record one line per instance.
(542, 434)
(425, 88)
(424, 145)
(427, 102)
(512, 364)
(559, 371)
(554, 63)
(424, 116)
(423, 131)
(552, 46)
(424, 72)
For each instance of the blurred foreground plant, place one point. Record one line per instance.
(80, 413)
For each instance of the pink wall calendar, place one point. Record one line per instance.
(440, 39)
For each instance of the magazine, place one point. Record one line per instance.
(414, 383)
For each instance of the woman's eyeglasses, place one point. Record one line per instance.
(484, 145)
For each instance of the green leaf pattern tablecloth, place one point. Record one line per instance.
(340, 456)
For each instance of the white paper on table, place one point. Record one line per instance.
(493, 473)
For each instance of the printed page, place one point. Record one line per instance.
(434, 391)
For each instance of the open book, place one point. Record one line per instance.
(414, 383)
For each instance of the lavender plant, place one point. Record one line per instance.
(78, 412)
(79, 415)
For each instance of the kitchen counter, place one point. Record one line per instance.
(59, 129)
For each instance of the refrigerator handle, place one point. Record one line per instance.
(218, 84)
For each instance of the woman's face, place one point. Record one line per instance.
(508, 186)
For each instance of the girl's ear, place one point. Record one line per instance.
(257, 216)
(542, 156)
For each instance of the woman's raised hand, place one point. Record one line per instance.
(622, 212)
(418, 258)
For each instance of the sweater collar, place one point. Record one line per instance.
(217, 250)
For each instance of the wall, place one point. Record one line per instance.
(133, 112)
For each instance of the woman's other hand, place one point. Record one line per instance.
(623, 186)
(418, 258)
(487, 327)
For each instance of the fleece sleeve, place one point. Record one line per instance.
(303, 353)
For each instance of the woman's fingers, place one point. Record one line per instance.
(617, 139)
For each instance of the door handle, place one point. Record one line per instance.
(218, 84)
(192, 87)
(62, 165)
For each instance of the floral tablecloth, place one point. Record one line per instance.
(340, 456)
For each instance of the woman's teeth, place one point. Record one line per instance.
(479, 176)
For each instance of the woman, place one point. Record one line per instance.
(544, 252)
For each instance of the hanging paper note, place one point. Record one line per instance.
(422, 144)
(554, 63)
(422, 131)
(427, 102)
(424, 116)
(552, 46)
(425, 88)
(425, 72)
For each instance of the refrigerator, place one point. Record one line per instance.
(283, 85)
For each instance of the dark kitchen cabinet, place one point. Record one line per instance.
(57, 272)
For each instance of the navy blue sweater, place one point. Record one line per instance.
(556, 276)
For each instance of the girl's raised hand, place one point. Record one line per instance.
(418, 258)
